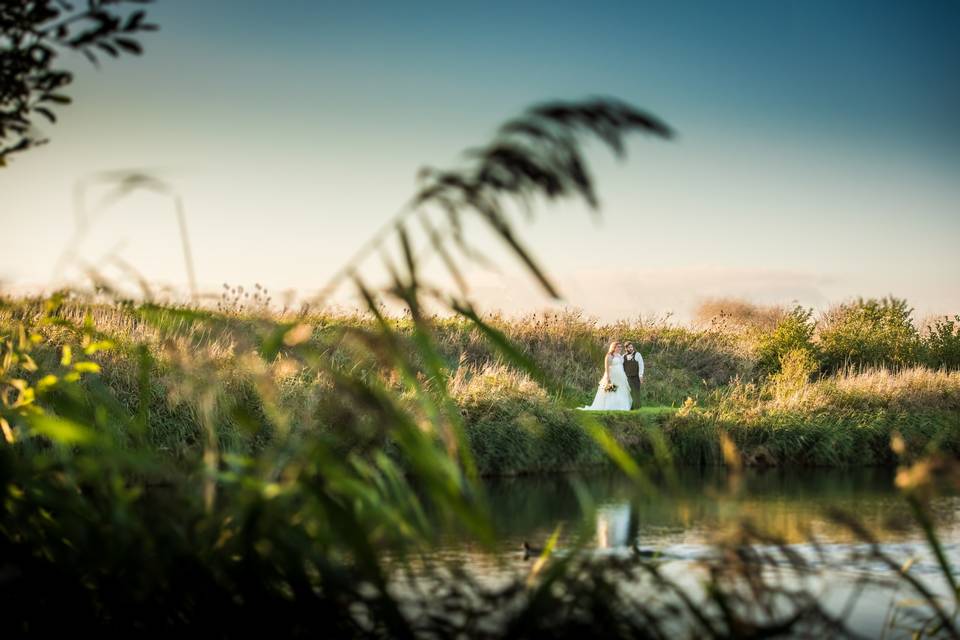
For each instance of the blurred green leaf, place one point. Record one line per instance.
(61, 430)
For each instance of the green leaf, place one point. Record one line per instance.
(53, 97)
(61, 430)
(101, 345)
(128, 45)
(46, 382)
(86, 367)
(544, 555)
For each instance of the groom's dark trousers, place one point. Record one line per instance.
(632, 369)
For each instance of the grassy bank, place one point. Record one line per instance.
(538, 441)
(848, 420)
(193, 374)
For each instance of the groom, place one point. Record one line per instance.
(633, 367)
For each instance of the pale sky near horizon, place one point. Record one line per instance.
(817, 156)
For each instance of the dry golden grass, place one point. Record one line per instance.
(473, 383)
(907, 389)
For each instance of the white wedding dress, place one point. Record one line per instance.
(618, 400)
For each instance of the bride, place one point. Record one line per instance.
(613, 393)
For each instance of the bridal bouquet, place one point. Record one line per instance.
(610, 387)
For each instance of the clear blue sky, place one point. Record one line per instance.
(817, 157)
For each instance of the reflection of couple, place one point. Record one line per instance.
(622, 373)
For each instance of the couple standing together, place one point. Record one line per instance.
(622, 373)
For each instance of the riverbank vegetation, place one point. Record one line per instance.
(788, 388)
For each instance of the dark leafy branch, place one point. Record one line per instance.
(32, 35)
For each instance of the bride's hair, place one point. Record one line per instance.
(613, 347)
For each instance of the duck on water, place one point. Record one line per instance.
(530, 551)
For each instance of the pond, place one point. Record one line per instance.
(676, 519)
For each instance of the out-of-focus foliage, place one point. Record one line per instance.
(33, 33)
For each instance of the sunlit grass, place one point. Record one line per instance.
(516, 424)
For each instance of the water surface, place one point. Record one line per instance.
(679, 518)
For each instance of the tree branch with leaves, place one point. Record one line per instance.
(33, 34)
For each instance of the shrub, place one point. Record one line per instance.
(795, 368)
(869, 333)
(793, 332)
(942, 343)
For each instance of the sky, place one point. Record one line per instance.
(816, 160)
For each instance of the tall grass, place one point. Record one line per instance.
(844, 420)
(516, 424)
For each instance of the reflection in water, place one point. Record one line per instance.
(680, 520)
(702, 504)
(613, 526)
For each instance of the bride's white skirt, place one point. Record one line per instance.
(618, 400)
